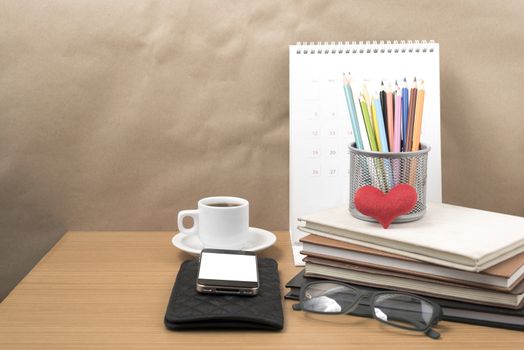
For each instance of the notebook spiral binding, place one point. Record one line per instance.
(355, 47)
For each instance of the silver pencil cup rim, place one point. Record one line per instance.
(423, 149)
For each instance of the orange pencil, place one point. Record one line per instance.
(418, 116)
(411, 115)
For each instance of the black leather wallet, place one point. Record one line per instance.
(188, 309)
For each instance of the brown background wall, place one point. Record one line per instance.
(115, 114)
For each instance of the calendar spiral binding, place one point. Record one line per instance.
(358, 47)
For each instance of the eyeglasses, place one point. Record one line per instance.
(401, 310)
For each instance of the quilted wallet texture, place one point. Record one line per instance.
(188, 309)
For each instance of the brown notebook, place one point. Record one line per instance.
(503, 276)
(331, 269)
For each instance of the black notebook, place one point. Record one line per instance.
(188, 309)
(455, 311)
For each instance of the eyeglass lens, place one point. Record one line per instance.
(329, 298)
(403, 310)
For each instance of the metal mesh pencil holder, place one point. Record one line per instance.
(386, 170)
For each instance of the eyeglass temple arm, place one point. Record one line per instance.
(432, 333)
(297, 307)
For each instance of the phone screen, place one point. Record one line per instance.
(228, 267)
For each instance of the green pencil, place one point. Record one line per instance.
(378, 169)
(367, 122)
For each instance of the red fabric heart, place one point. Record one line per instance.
(385, 207)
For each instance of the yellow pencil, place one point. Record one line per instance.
(375, 126)
(418, 116)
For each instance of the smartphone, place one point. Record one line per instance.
(227, 272)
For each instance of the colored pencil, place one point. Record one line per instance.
(365, 93)
(405, 102)
(397, 131)
(411, 115)
(390, 126)
(383, 104)
(381, 126)
(367, 122)
(384, 165)
(352, 111)
(360, 117)
(418, 116)
(398, 124)
(375, 127)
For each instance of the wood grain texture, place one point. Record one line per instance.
(108, 290)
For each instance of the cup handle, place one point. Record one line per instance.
(181, 215)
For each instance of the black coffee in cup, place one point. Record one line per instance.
(223, 205)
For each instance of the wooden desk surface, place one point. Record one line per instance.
(108, 290)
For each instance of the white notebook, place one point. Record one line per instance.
(320, 128)
(448, 235)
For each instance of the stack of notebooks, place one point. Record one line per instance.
(470, 261)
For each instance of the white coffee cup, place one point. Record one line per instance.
(219, 222)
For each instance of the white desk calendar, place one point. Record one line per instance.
(320, 128)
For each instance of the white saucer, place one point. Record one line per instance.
(259, 239)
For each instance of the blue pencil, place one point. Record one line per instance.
(405, 104)
(352, 111)
(381, 126)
